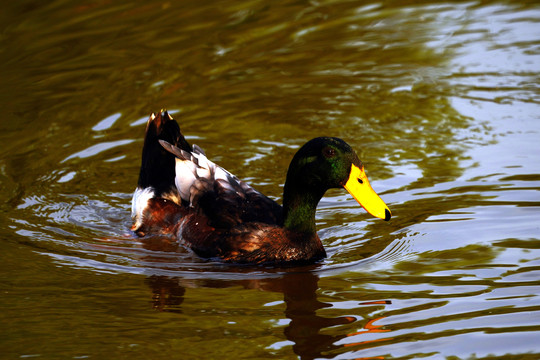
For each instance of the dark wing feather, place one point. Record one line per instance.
(232, 202)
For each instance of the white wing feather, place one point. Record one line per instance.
(194, 171)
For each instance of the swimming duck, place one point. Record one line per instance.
(181, 193)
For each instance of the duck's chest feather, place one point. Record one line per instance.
(255, 243)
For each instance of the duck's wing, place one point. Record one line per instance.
(210, 189)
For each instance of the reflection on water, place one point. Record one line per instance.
(440, 100)
(304, 329)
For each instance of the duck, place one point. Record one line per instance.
(182, 194)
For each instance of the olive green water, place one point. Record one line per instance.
(440, 100)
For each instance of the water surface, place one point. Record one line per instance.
(440, 100)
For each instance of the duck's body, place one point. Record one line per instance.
(182, 193)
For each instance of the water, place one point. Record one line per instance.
(440, 99)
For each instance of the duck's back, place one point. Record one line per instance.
(209, 190)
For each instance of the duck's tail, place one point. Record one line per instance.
(155, 206)
(158, 165)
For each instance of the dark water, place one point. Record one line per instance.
(440, 99)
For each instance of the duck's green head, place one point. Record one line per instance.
(328, 162)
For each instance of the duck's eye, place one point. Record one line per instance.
(329, 152)
(360, 181)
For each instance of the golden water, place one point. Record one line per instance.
(440, 100)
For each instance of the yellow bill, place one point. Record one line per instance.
(358, 186)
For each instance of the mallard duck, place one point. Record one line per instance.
(181, 193)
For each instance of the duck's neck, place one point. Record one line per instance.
(299, 207)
